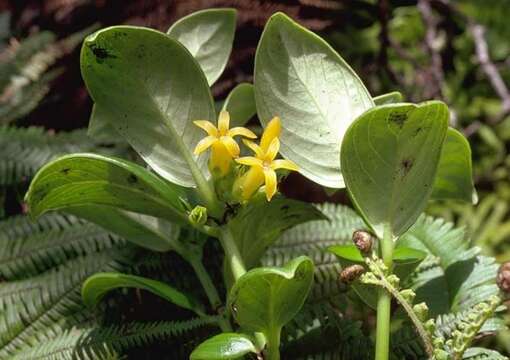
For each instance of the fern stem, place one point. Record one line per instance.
(232, 253)
(211, 292)
(382, 344)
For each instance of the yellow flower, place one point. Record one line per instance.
(221, 140)
(263, 164)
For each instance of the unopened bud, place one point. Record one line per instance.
(421, 310)
(198, 215)
(351, 273)
(503, 278)
(363, 241)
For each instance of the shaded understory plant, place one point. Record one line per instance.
(203, 195)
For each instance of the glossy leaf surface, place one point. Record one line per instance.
(208, 36)
(224, 346)
(98, 285)
(146, 231)
(89, 179)
(454, 179)
(150, 89)
(266, 298)
(240, 103)
(389, 158)
(301, 79)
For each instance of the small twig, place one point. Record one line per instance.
(489, 68)
(430, 43)
(384, 40)
(482, 53)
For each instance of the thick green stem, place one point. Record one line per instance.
(211, 292)
(232, 254)
(382, 344)
(273, 345)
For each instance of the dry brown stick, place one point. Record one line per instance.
(489, 68)
(430, 42)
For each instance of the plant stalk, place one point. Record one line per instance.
(232, 254)
(382, 343)
(273, 346)
(211, 292)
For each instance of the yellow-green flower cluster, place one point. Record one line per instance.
(262, 166)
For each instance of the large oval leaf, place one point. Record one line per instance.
(208, 35)
(143, 230)
(89, 179)
(454, 179)
(389, 159)
(98, 285)
(240, 103)
(300, 78)
(223, 347)
(150, 88)
(264, 299)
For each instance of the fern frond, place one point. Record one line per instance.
(328, 336)
(28, 248)
(25, 150)
(39, 308)
(96, 342)
(25, 73)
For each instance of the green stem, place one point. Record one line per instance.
(211, 292)
(235, 260)
(273, 345)
(382, 344)
(205, 189)
(232, 254)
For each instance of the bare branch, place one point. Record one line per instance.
(490, 70)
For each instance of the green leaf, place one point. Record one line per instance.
(301, 79)
(240, 103)
(454, 178)
(388, 98)
(208, 36)
(150, 89)
(264, 299)
(224, 346)
(97, 285)
(454, 276)
(99, 128)
(143, 230)
(389, 159)
(89, 179)
(258, 224)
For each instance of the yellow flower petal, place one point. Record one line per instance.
(242, 131)
(272, 150)
(250, 161)
(231, 146)
(272, 131)
(208, 126)
(220, 160)
(255, 148)
(284, 164)
(223, 122)
(270, 180)
(204, 144)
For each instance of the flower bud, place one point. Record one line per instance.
(503, 278)
(363, 241)
(198, 215)
(351, 273)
